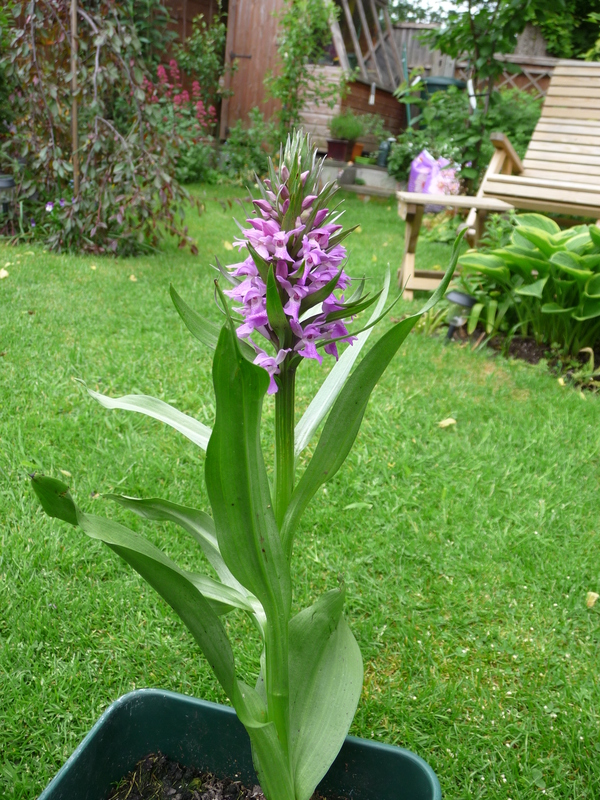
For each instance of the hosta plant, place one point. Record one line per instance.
(547, 281)
(291, 302)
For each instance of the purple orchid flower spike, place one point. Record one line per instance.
(294, 235)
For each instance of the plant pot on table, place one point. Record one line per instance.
(210, 737)
(339, 149)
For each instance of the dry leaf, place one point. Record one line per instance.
(65, 472)
(3, 274)
(590, 599)
(373, 257)
(358, 230)
(227, 245)
(8, 264)
(132, 278)
(385, 244)
(561, 381)
(445, 423)
(92, 266)
(29, 253)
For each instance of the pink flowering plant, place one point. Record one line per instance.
(289, 304)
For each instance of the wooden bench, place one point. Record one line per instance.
(559, 174)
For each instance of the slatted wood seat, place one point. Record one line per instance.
(560, 172)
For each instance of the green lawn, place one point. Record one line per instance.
(467, 551)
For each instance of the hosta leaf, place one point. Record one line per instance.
(486, 263)
(156, 568)
(554, 308)
(538, 221)
(474, 317)
(571, 265)
(490, 313)
(202, 329)
(237, 483)
(590, 309)
(534, 289)
(538, 238)
(595, 234)
(332, 385)
(343, 422)
(152, 407)
(326, 674)
(592, 287)
(523, 262)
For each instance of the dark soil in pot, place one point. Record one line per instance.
(157, 777)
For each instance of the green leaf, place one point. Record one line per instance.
(590, 309)
(592, 287)
(351, 310)
(152, 407)
(534, 289)
(203, 330)
(344, 419)
(538, 238)
(277, 317)
(490, 314)
(595, 234)
(157, 569)
(523, 261)
(332, 385)
(326, 674)
(314, 299)
(570, 264)
(474, 317)
(554, 308)
(486, 263)
(538, 221)
(237, 483)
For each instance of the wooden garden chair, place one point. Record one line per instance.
(560, 172)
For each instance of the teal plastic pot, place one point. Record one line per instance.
(210, 737)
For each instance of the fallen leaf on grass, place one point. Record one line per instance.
(3, 273)
(29, 253)
(445, 423)
(92, 266)
(358, 505)
(132, 278)
(227, 245)
(8, 264)
(374, 257)
(67, 473)
(561, 381)
(590, 599)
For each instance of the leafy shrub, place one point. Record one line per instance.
(548, 279)
(128, 197)
(203, 57)
(346, 126)
(185, 119)
(243, 155)
(446, 128)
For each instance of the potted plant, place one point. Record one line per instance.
(345, 129)
(310, 672)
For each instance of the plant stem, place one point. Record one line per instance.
(277, 677)
(284, 440)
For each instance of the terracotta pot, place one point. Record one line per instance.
(210, 737)
(357, 149)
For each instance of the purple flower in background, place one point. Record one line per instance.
(293, 235)
(32, 222)
(62, 202)
(49, 205)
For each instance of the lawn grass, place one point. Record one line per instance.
(467, 551)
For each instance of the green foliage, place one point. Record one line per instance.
(7, 83)
(304, 34)
(593, 54)
(153, 25)
(202, 56)
(447, 129)
(128, 198)
(346, 126)
(571, 30)
(243, 155)
(546, 280)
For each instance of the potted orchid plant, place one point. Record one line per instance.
(291, 302)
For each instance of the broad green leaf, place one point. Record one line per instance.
(237, 483)
(554, 308)
(198, 524)
(343, 422)
(474, 317)
(570, 264)
(486, 263)
(591, 262)
(523, 262)
(490, 310)
(332, 385)
(195, 431)
(594, 232)
(578, 242)
(326, 674)
(203, 330)
(590, 309)
(538, 238)
(538, 221)
(592, 287)
(534, 289)
(156, 568)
